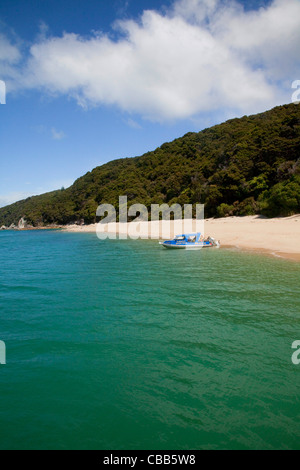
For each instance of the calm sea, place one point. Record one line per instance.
(124, 345)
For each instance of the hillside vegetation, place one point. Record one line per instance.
(242, 167)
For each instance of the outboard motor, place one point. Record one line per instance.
(213, 241)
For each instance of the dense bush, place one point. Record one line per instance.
(244, 166)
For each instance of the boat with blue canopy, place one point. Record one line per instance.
(191, 241)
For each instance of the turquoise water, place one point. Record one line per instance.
(125, 345)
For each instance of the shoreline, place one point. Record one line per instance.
(278, 237)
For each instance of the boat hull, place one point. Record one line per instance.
(185, 247)
(190, 242)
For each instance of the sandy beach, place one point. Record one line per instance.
(278, 237)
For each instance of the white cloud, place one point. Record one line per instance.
(14, 196)
(269, 37)
(57, 135)
(200, 56)
(132, 123)
(195, 10)
(10, 55)
(53, 132)
(10, 198)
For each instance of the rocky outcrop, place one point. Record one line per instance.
(22, 224)
(3, 227)
(79, 222)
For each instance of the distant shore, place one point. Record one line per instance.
(279, 236)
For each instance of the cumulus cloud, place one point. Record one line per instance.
(199, 56)
(10, 56)
(9, 53)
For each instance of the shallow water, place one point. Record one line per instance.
(125, 345)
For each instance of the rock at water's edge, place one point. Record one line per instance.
(22, 224)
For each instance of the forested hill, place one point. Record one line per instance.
(244, 166)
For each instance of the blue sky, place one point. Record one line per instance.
(91, 81)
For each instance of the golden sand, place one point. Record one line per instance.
(279, 236)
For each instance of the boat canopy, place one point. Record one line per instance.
(195, 237)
